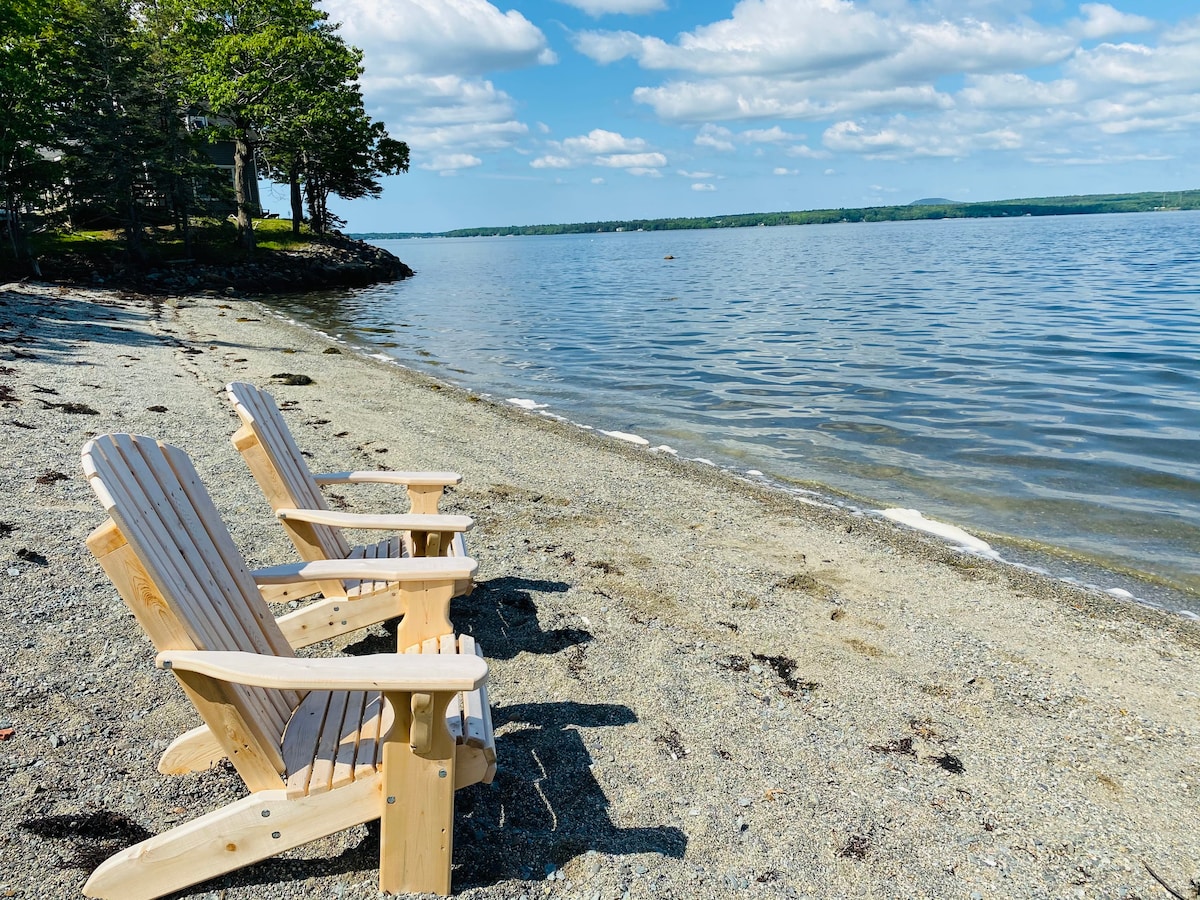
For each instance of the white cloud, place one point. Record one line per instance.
(600, 141)
(1176, 66)
(607, 46)
(695, 176)
(704, 187)
(772, 135)
(606, 7)
(1101, 21)
(645, 171)
(780, 170)
(806, 152)
(1016, 91)
(481, 135)
(599, 147)
(451, 163)
(834, 59)
(717, 137)
(632, 160)
(902, 138)
(598, 180)
(760, 98)
(431, 37)
(762, 36)
(900, 79)
(424, 60)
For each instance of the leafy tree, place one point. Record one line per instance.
(347, 161)
(94, 95)
(26, 121)
(241, 61)
(332, 147)
(116, 130)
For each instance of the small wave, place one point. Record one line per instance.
(914, 519)
(526, 404)
(625, 436)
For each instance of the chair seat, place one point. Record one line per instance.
(334, 738)
(394, 547)
(398, 547)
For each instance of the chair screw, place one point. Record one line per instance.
(391, 799)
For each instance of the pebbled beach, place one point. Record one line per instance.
(701, 687)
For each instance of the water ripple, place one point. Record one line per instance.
(1034, 377)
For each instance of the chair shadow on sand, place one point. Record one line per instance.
(545, 807)
(501, 614)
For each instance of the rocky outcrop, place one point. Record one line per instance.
(334, 261)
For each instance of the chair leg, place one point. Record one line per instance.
(333, 616)
(192, 751)
(417, 815)
(246, 831)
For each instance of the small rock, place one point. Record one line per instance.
(14, 571)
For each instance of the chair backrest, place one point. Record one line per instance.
(153, 494)
(267, 445)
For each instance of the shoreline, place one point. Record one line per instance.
(1072, 567)
(701, 686)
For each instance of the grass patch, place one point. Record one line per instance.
(213, 240)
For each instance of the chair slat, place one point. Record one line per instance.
(477, 718)
(350, 740)
(300, 740)
(378, 718)
(326, 748)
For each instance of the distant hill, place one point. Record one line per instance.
(934, 208)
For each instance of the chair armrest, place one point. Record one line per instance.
(378, 672)
(420, 568)
(417, 479)
(402, 522)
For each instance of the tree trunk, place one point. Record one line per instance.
(297, 198)
(242, 155)
(314, 214)
(22, 252)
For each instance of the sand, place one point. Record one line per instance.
(702, 688)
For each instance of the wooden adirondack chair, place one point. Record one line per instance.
(267, 445)
(322, 744)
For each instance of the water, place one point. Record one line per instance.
(1037, 378)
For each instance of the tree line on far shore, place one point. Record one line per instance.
(107, 107)
(1039, 206)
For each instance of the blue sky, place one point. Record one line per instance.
(539, 111)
